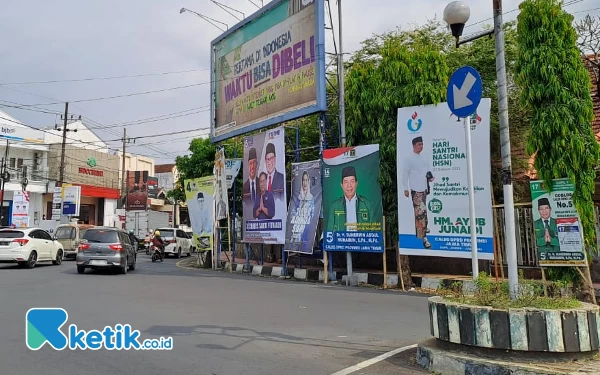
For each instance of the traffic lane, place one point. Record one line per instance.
(227, 323)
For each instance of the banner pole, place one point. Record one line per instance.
(384, 258)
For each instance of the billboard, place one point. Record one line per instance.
(152, 187)
(199, 200)
(305, 207)
(221, 197)
(137, 190)
(433, 196)
(20, 211)
(268, 69)
(556, 225)
(71, 200)
(264, 188)
(352, 208)
(232, 169)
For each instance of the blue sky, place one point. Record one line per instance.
(69, 39)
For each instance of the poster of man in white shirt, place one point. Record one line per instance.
(416, 177)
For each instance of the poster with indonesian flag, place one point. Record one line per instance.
(20, 212)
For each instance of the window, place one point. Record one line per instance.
(19, 163)
(166, 233)
(101, 236)
(65, 233)
(11, 234)
(44, 235)
(12, 163)
(35, 234)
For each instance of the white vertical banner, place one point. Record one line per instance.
(433, 196)
(221, 198)
(20, 211)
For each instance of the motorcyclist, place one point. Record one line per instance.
(159, 242)
(134, 240)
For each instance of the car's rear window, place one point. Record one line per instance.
(65, 233)
(101, 236)
(166, 233)
(11, 234)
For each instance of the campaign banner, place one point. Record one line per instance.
(556, 224)
(264, 188)
(152, 187)
(304, 209)
(269, 68)
(200, 204)
(20, 211)
(433, 196)
(221, 197)
(137, 190)
(353, 212)
(232, 169)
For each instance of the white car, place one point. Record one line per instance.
(28, 246)
(177, 242)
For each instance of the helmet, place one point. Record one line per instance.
(131, 231)
(157, 233)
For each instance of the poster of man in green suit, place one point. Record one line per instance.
(352, 206)
(546, 230)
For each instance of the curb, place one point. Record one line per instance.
(452, 359)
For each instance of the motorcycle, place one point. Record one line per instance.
(157, 254)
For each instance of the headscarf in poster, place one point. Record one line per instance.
(305, 207)
(264, 188)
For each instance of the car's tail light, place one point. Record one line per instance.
(84, 246)
(172, 241)
(116, 247)
(21, 241)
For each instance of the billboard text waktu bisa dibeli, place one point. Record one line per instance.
(268, 69)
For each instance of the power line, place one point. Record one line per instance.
(187, 112)
(101, 78)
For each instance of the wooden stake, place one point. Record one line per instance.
(399, 263)
(325, 267)
(544, 281)
(384, 258)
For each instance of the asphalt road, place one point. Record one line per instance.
(222, 324)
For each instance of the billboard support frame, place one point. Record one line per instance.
(321, 103)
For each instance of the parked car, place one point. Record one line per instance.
(190, 238)
(28, 246)
(69, 235)
(106, 247)
(178, 242)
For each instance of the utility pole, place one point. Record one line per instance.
(64, 142)
(123, 184)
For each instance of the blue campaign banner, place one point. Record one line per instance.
(263, 225)
(363, 241)
(69, 208)
(444, 245)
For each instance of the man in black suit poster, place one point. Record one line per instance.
(275, 180)
(251, 184)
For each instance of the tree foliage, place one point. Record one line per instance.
(557, 95)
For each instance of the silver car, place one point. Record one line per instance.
(106, 247)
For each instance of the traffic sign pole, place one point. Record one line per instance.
(464, 93)
(474, 258)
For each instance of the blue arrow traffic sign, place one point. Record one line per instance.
(464, 91)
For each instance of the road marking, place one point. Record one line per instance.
(372, 361)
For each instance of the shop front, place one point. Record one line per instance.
(98, 175)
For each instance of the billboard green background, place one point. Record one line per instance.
(367, 173)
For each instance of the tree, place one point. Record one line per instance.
(550, 66)
(589, 45)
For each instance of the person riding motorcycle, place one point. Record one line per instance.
(159, 242)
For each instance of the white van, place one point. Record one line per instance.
(177, 242)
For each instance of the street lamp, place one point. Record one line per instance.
(456, 14)
(206, 18)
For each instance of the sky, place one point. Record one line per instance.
(70, 41)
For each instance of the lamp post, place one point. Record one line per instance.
(456, 14)
(206, 18)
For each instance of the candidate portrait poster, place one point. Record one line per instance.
(556, 224)
(221, 197)
(353, 212)
(200, 203)
(264, 188)
(433, 196)
(304, 208)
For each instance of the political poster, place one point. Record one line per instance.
(221, 197)
(232, 169)
(264, 188)
(269, 68)
(20, 211)
(304, 208)
(353, 212)
(200, 203)
(556, 224)
(433, 196)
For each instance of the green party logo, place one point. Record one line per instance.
(435, 206)
(91, 162)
